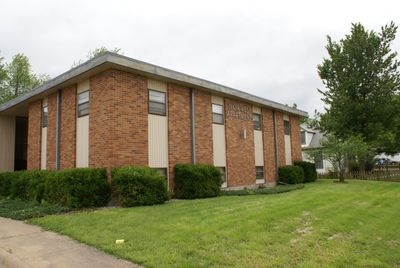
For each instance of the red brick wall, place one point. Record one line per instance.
(118, 119)
(179, 128)
(68, 128)
(269, 145)
(34, 135)
(239, 151)
(295, 137)
(51, 131)
(281, 139)
(204, 140)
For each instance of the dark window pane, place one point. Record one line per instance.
(157, 108)
(218, 118)
(83, 103)
(83, 109)
(44, 116)
(257, 121)
(303, 137)
(259, 173)
(157, 96)
(223, 177)
(286, 126)
(319, 163)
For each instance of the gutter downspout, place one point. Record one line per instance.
(58, 123)
(193, 122)
(276, 146)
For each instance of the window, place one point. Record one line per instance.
(44, 116)
(303, 137)
(260, 173)
(257, 121)
(83, 103)
(286, 127)
(223, 176)
(157, 102)
(162, 172)
(319, 161)
(218, 113)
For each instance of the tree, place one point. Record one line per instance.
(362, 84)
(339, 152)
(18, 78)
(97, 52)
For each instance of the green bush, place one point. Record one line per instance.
(5, 183)
(291, 174)
(138, 186)
(310, 172)
(77, 188)
(196, 181)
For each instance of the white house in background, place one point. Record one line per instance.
(311, 139)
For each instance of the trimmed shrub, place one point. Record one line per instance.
(77, 188)
(291, 174)
(310, 172)
(5, 183)
(139, 186)
(196, 181)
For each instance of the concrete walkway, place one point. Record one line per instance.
(23, 245)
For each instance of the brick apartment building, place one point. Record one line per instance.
(114, 111)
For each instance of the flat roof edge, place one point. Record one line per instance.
(145, 67)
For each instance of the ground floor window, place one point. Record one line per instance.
(163, 172)
(223, 175)
(259, 173)
(319, 161)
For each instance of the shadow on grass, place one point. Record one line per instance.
(21, 210)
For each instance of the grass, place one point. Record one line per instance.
(22, 210)
(324, 225)
(273, 190)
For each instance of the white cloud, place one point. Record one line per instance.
(266, 48)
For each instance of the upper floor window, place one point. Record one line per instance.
(83, 103)
(286, 127)
(157, 102)
(44, 116)
(218, 113)
(257, 121)
(303, 137)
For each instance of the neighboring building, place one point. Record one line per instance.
(114, 111)
(311, 139)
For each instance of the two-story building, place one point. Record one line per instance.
(114, 111)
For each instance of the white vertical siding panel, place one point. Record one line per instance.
(82, 141)
(288, 150)
(158, 141)
(83, 86)
(219, 147)
(43, 149)
(157, 85)
(258, 148)
(7, 143)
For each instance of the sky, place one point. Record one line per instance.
(267, 48)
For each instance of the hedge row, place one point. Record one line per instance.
(196, 181)
(138, 186)
(310, 172)
(300, 172)
(75, 188)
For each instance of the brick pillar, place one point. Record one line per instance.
(34, 135)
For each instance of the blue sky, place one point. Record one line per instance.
(267, 48)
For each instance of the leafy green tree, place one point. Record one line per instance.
(362, 82)
(18, 78)
(339, 152)
(97, 52)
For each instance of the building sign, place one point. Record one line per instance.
(239, 111)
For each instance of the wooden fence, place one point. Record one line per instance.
(377, 174)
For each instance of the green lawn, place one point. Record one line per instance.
(326, 224)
